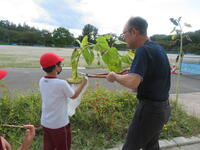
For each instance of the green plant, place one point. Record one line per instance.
(101, 120)
(180, 123)
(110, 55)
(103, 51)
(86, 49)
(179, 37)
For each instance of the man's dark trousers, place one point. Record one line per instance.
(146, 125)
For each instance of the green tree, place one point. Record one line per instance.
(62, 37)
(90, 31)
(47, 37)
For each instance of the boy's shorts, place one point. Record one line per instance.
(59, 139)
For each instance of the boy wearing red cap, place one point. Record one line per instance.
(29, 134)
(55, 93)
(3, 73)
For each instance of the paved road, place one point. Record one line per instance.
(24, 80)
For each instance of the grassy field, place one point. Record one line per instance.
(28, 57)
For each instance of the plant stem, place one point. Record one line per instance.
(12, 126)
(179, 64)
(75, 69)
(16, 126)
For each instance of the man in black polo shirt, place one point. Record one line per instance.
(150, 75)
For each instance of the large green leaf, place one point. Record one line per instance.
(112, 60)
(106, 58)
(131, 54)
(74, 62)
(102, 44)
(126, 59)
(78, 42)
(88, 55)
(84, 41)
(114, 54)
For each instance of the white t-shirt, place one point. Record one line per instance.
(55, 93)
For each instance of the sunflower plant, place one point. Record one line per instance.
(178, 36)
(109, 54)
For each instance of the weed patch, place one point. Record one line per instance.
(101, 121)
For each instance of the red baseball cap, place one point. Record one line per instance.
(49, 59)
(3, 73)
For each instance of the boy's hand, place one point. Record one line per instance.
(5, 144)
(80, 88)
(28, 137)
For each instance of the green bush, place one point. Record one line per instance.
(102, 119)
(180, 124)
(18, 111)
(100, 122)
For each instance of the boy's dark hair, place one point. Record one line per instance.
(138, 23)
(51, 68)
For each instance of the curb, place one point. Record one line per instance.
(173, 143)
(179, 141)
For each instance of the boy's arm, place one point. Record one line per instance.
(79, 89)
(28, 137)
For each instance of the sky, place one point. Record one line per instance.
(109, 16)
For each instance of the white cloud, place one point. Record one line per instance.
(76, 32)
(42, 26)
(106, 15)
(22, 11)
(111, 15)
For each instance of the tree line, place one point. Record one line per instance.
(11, 33)
(191, 42)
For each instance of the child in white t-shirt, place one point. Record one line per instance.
(55, 92)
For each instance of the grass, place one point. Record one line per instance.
(101, 121)
(180, 124)
(28, 57)
(23, 61)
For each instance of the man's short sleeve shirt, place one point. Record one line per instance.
(152, 64)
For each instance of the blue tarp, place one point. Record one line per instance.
(191, 68)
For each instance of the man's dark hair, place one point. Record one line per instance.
(139, 24)
(51, 68)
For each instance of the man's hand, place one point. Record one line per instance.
(111, 77)
(5, 144)
(28, 137)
